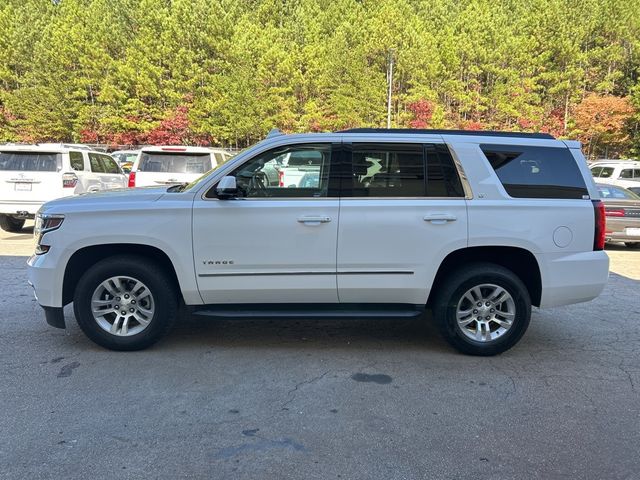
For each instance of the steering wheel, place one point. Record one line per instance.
(257, 185)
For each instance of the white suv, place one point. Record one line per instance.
(623, 173)
(476, 226)
(31, 175)
(172, 165)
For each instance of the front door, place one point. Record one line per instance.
(402, 212)
(273, 244)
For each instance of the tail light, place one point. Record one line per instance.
(280, 178)
(599, 231)
(614, 212)
(69, 180)
(132, 179)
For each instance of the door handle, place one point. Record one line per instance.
(313, 220)
(440, 218)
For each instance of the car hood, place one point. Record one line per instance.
(104, 200)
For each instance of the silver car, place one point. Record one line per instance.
(622, 211)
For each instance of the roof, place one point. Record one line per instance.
(45, 147)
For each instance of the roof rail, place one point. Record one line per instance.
(476, 133)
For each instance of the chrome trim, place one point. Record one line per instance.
(466, 186)
(267, 274)
(401, 198)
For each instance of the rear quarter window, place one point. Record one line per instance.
(536, 172)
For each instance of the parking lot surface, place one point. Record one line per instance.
(350, 399)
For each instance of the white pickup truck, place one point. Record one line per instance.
(476, 226)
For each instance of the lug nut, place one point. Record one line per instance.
(131, 310)
(479, 319)
(488, 303)
(479, 304)
(117, 299)
(492, 310)
(133, 301)
(475, 311)
(126, 295)
(123, 312)
(117, 307)
(487, 317)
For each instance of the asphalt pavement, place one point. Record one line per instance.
(321, 399)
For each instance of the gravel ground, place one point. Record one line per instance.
(315, 399)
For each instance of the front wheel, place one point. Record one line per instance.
(10, 224)
(125, 303)
(482, 309)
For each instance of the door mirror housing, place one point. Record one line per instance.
(227, 188)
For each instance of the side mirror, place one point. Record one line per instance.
(227, 188)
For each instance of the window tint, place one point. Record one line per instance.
(536, 172)
(442, 175)
(596, 171)
(175, 162)
(77, 161)
(606, 172)
(96, 163)
(388, 170)
(30, 161)
(110, 165)
(609, 191)
(274, 174)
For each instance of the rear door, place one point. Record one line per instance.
(171, 166)
(402, 211)
(27, 179)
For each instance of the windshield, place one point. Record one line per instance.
(608, 191)
(30, 161)
(175, 162)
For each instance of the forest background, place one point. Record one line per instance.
(224, 72)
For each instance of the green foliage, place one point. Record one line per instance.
(118, 70)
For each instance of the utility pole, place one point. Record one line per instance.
(390, 84)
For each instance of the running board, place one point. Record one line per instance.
(309, 311)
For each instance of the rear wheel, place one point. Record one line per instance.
(482, 309)
(125, 303)
(632, 244)
(11, 224)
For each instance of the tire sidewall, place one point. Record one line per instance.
(153, 278)
(521, 320)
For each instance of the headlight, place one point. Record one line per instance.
(45, 223)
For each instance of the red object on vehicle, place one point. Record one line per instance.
(599, 231)
(69, 180)
(173, 149)
(280, 178)
(132, 179)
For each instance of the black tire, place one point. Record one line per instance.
(456, 284)
(633, 245)
(151, 275)
(10, 224)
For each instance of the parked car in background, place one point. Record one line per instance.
(31, 175)
(622, 210)
(635, 190)
(624, 173)
(171, 165)
(476, 226)
(125, 158)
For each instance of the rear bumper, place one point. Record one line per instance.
(616, 230)
(572, 278)
(13, 208)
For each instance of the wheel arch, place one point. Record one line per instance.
(519, 260)
(85, 257)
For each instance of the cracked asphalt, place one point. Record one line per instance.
(311, 399)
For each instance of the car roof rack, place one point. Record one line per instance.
(473, 133)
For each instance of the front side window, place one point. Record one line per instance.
(285, 172)
(536, 172)
(606, 172)
(96, 163)
(388, 170)
(30, 161)
(110, 165)
(179, 162)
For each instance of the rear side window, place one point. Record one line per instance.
(77, 161)
(175, 162)
(30, 161)
(630, 173)
(388, 170)
(442, 175)
(96, 163)
(536, 172)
